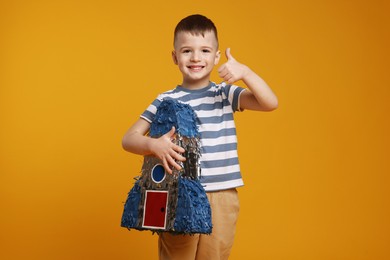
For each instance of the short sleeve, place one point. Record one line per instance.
(151, 110)
(233, 93)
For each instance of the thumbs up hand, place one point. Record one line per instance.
(232, 71)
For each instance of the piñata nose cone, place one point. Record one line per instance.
(172, 113)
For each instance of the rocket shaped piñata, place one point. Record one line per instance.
(177, 202)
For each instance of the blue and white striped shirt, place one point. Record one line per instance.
(214, 106)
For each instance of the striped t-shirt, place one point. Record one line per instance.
(214, 106)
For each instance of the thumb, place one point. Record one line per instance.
(228, 55)
(171, 132)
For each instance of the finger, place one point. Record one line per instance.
(178, 157)
(179, 149)
(223, 73)
(231, 80)
(173, 163)
(228, 54)
(166, 166)
(220, 69)
(226, 76)
(171, 132)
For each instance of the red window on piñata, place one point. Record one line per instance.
(155, 209)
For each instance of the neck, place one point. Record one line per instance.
(195, 85)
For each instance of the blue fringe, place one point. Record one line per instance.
(131, 210)
(173, 113)
(193, 212)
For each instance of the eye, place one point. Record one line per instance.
(186, 51)
(206, 50)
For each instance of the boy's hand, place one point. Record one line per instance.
(168, 152)
(232, 70)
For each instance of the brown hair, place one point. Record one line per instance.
(195, 24)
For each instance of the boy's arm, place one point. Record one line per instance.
(260, 96)
(136, 141)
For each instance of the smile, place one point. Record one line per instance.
(195, 67)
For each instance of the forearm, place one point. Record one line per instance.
(135, 139)
(263, 97)
(137, 143)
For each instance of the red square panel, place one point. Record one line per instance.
(155, 209)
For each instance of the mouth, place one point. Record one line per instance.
(195, 67)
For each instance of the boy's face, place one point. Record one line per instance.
(196, 57)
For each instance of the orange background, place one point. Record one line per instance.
(74, 75)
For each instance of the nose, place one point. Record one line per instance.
(195, 56)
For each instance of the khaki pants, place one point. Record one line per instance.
(224, 208)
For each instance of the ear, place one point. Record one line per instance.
(217, 57)
(174, 58)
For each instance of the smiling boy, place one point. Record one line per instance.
(196, 53)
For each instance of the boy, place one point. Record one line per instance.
(196, 53)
